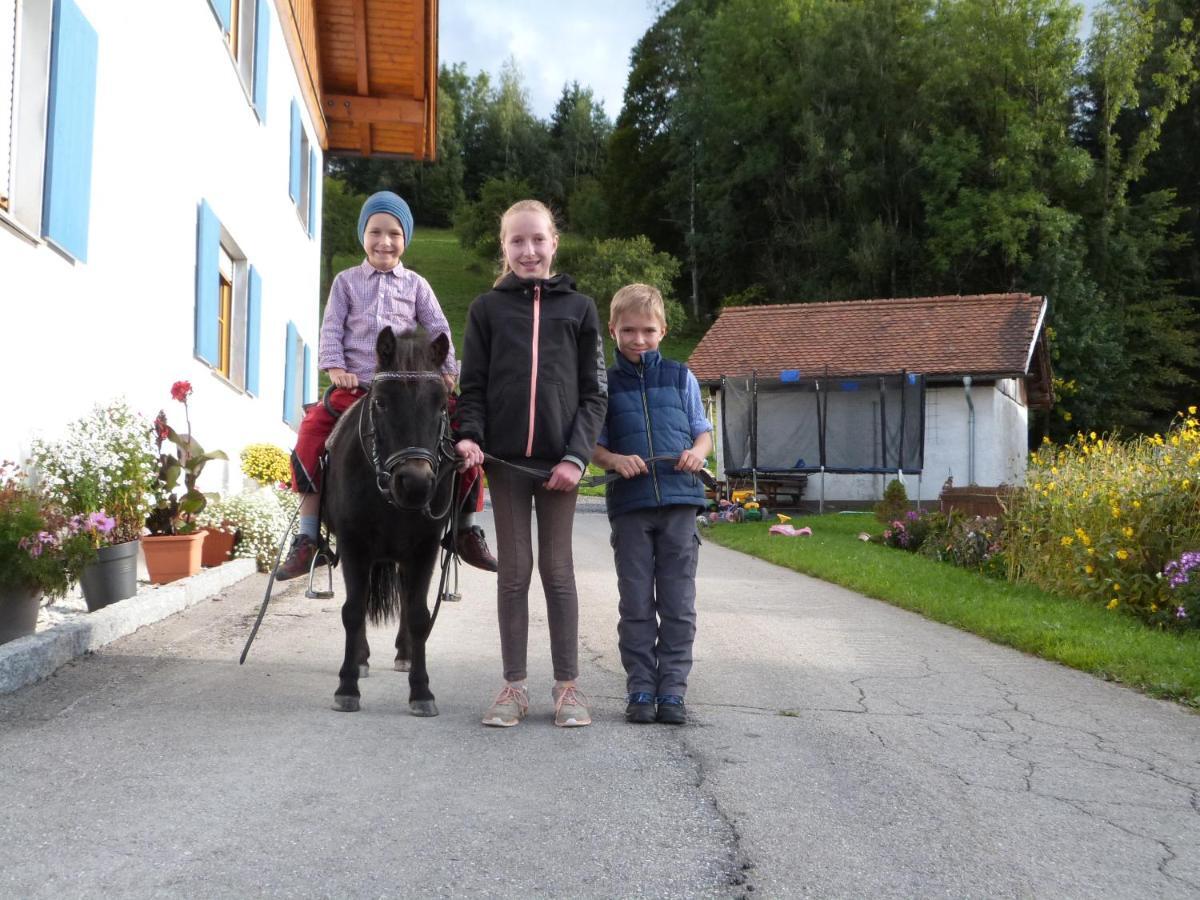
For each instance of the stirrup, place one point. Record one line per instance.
(321, 553)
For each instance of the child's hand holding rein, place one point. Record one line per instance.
(343, 379)
(689, 461)
(469, 454)
(564, 477)
(628, 466)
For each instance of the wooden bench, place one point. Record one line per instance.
(771, 486)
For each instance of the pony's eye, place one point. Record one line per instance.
(378, 405)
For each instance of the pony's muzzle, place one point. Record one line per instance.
(413, 483)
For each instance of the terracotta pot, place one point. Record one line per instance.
(18, 611)
(170, 557)
(218, 547)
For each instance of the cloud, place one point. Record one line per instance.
(553, 44)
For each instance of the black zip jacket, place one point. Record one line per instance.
(533, 381)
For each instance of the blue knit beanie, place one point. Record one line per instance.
(393, 205)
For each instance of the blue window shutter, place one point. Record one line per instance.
(313, 181)
(289, 377)
(224, 11)
(308, 392)
(208, 296)
(294, 174)
(253, 331)
(262, 41)
(70, 124)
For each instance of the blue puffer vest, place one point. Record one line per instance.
(647, 416)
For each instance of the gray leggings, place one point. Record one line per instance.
(514, 495)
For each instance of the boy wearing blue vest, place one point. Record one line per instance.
(654, 411)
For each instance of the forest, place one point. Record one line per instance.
(791, 151)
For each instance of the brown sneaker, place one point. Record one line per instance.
(471, 547)
(509, 707)
(299, 558)
(570, 707)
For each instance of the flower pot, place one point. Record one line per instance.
(170, 557)
(111, 577)
(18, 611)
(218, 547)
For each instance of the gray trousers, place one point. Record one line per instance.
(656, 552)
(514, 495)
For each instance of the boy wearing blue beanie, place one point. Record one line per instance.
(363, 300)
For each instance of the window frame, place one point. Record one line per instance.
(29, 133)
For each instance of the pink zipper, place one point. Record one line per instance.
(537, 321)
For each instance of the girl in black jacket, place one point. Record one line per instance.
(533, 393)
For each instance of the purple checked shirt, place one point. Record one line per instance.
(362, 301)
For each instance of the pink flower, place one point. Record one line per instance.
(180, 391)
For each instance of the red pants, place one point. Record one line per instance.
(315, 429)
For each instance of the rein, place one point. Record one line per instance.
(594, 480)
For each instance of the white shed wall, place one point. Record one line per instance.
(173, 125)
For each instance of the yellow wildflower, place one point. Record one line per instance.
(1067, 541)
(1191, 410)
(1127, 531)
(1112, 604)
(1089, 568)
(1116, 587)
(1116, 512)
(1153, 607)
(1137, 504)
(1092, 435)
(1122, 554)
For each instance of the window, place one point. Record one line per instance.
(48, 53)
(228, 305)
(300, 172)
(246, 26)
(297, 377)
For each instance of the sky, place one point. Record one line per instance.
(553, 41)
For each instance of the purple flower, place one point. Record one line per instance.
(98, 521)
(1180, 612)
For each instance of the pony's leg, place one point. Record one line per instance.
(416, 618)
(357, 573)
(403, 643)
(363, 655)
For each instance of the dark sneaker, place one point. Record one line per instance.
(299, 558)
(471, 547)
(671, 710)
(640, 708)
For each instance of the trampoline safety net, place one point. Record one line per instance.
(867, 424)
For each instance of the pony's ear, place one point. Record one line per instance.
(385, 346)
(441, 349)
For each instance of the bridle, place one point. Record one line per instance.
(440, 458)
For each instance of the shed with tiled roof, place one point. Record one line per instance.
(985, 336)
(982, 359)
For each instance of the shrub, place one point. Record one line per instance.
(604, 267)
(894, 504)
(266, 464)
(1101, 517)
(477, 224)
(913, 530)
(972, 543)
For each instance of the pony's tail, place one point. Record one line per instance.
(383, 598)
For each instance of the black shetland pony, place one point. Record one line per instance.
(388, 491)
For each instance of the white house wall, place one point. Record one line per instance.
(173, 126)
(1001, 425)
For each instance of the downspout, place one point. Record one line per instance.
(970, 431)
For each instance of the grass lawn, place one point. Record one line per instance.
(1085, 637)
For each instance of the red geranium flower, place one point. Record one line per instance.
(180, 390)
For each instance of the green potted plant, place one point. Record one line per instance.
(43, 550)
(106, 462)
(173, 547)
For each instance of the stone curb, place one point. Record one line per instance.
(32, 658)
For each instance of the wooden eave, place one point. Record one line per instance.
(368, 71)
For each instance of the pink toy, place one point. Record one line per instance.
(787, 530)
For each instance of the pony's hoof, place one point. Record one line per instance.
(422, 708)
(345, 704)
(364, 671)
(403, 665)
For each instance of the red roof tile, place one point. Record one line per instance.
(978, 335)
